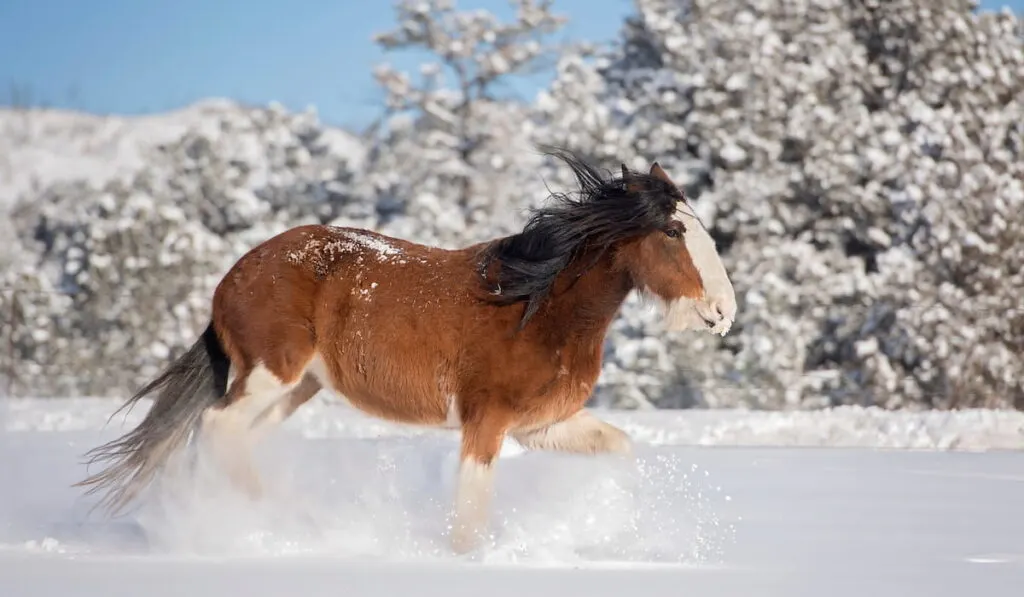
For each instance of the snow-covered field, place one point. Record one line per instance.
(715, 503)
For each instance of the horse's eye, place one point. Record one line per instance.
(675, 231)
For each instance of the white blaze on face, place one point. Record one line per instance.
(719, 302)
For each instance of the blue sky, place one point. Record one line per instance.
(136, 56)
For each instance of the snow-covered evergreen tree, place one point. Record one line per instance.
(452, 150)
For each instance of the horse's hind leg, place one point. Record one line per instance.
(285, 406)
(227, 427)
(582, 433)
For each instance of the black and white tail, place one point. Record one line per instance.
(192, 383)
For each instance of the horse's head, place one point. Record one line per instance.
(676, 261)
(642, 223)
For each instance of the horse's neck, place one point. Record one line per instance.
(587, 295)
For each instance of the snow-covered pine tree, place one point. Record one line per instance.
(859, 164)
(453, 153)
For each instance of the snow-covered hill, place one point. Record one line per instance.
(41, 147)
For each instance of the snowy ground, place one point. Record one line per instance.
(715, 503)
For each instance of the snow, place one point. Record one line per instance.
(322, 253)
(706, 507)
(378, 244)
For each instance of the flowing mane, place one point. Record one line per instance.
(603, 211)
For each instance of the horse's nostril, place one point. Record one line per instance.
(718, 309)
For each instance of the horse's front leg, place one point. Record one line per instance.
(582, 433)
(482, 437)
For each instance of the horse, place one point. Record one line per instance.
(496, 339)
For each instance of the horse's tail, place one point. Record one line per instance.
(193, 382)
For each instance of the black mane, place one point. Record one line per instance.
(599, 214)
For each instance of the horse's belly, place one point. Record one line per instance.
(384, 389)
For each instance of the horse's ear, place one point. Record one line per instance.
(658, 172)
(632, 184)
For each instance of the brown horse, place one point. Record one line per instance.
(502, 338)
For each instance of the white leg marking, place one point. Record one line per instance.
(280, 410)
(582, 433)
(452, 419)
(472, 504)
(229, 430)
(262, 390)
